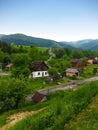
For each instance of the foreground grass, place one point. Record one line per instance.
(30, 107)
(87, 119)
(63, 107)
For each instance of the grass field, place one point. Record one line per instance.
(87, 119)
(63, 107)
(88, 71)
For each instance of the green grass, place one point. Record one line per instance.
(42, 49)
(88, 71)
(39, 83)
(63, 107)
(87, 119)
(30, 107)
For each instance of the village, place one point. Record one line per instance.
(34, 79)
(40, 69)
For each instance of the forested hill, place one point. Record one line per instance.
(87, 44)
(21, 39)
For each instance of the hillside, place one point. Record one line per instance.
(1, 35)
(61, 108)
(91, 45)
(87, 44)
(87, 119)
(21, 39)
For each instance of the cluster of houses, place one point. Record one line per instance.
(40, 69)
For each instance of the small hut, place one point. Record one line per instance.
(39, 97)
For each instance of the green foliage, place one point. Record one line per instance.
(77, 54)
(60, 64)
(12, 94)
(5, 47)
(6, 59)
(53, 72)
(87, 119)
(20, 65)
(61, 110)
(94, 71)
(1, 55)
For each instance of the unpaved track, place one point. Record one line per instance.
(71, 85)
(13, 119)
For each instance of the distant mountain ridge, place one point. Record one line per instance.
(21, 39)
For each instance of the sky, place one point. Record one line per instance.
(60, 20)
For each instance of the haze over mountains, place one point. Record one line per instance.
(21, 39)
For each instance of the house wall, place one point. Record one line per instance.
(38, 74)
(69, 74)
(90, 61)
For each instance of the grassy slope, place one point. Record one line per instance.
(87, 119)
(64, 106)
(88, 71)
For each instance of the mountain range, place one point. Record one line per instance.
(21, 39)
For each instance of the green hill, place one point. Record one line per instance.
(21, 39)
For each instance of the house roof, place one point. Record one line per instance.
(76, 61)
(91, 57)
(37, 97)
(39, 66)
(71, 70)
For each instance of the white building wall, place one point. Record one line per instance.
(38, 74)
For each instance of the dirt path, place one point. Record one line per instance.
(13, 119)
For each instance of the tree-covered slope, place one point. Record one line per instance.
(21, 39)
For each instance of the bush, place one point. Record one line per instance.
(12, 94)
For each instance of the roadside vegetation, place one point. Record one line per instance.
(63, 106)
(87, 119)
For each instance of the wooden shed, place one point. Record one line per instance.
(71, 71)
(39, 97)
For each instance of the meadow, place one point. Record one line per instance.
(62, 107)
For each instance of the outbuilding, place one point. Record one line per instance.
(39, 97)
(71, 71)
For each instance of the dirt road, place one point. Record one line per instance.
(71, 85)
(13, 119)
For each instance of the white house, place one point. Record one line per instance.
(39, 69)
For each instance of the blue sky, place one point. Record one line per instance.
(61, 20)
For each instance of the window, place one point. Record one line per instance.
(45, 73)
(38, 73)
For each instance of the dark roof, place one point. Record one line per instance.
(37, 97)
(39, 66)
(76, 61)
(91, 57)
